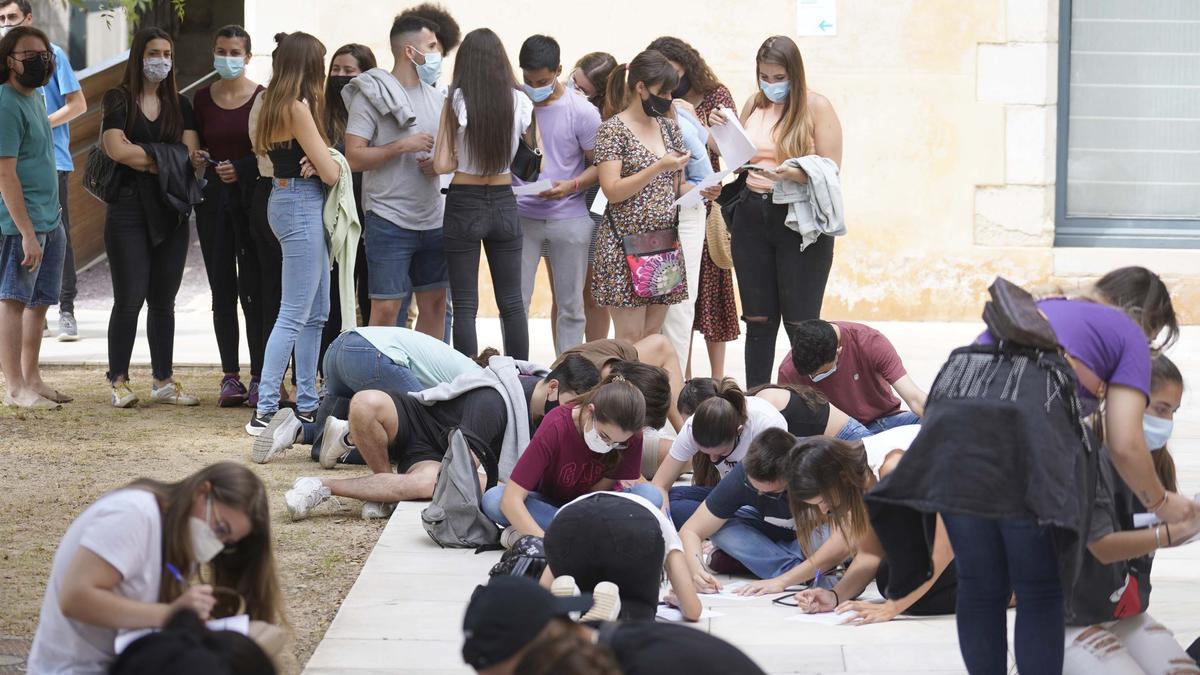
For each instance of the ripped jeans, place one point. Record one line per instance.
(1134, 646)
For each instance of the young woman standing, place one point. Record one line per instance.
(222, 221)
(641, 159)
(288, 132)
(484, 118)
(779, 278)
(146, 239)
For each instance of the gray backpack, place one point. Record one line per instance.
(454, 519)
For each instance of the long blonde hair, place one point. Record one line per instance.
(794, 131)
(836, 471)
(297, 74)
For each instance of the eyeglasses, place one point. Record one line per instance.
(761, 493)
(220, 527)
(31, 55)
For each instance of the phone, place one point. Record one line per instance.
(752, 167)
(211, 161)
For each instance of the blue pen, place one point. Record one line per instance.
(178, 577)
(817, 580)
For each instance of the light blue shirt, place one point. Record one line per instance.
(432, 361)
(695, 135)
(63, 82)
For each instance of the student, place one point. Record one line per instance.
(1111, 632)
(1003, 447)
(641, 157)
(145, 237)
(222, 223)
(654, 350)
(392, 144)
(587, 446)
(777, 277)
(826, 483)
(288, 132)
(64, 103)
(411, 430)
(857, 369)
(625, 540)
(716, 318)
(482, 120)
(187, 647)
(565, 131)
(139, 554)
(714, 439)
(512, 625)
(390, 359)
(32, 239)
(807, 411)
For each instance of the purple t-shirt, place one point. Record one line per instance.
(1104, 338)
(567, 127)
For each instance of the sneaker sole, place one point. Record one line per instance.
(294, 513)
(265, 439)
(564, 587)
(606, 603)
(69, 338)
(126, 404)
(235, 402)
(326, 456)
(175, 401)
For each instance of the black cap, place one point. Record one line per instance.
(508, 614)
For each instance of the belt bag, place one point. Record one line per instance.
(655, 261)
(527, 162)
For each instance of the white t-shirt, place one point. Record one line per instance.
(879, 445)
(522, 116)
(125, 529)
(671, 539)
(760, 416)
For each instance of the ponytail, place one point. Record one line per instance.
(649, 67)
(614, 401)
(616, 94)
(717, 419)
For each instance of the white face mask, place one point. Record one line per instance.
(205, 543)
(1157, 431)
(156, 68)
(595, 442)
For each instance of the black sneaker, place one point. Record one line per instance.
(307, 417)
(258, 423)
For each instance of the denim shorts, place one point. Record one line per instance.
(400, 261)
(40, 287)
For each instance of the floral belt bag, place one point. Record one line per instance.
(655, 261)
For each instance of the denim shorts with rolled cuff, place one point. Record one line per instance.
(401, 261)
(38, 288)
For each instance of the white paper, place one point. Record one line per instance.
(729, 592)
(732, 140)
(599, 203)
(1141, 520)
(692, 197)
(816, 18)
(672, 614)
(534, 188)
(236, 624)
(824, 618)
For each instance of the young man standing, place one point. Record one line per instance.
(393, 119)
(64, 102)
(32, 242)
(564, 129)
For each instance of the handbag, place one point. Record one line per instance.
(527, 162)
(655, 259)
(716, 235)
(101, 175)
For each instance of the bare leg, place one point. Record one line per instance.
(31, 347)
(431, 312)
(384, 312)
(656, 316)
(553, 304)
(656, 350)
(373, 424)
(630, 322)
(597, 315)
(11, 325)
(716, 358)
(388, 488)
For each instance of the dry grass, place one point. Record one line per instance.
(57, 463)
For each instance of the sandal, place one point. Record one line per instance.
(60, 397)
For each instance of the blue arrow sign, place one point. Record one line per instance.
(824, 25)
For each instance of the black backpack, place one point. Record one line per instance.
(526, 558)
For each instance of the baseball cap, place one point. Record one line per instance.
(508, 614)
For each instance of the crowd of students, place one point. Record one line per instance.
(988, 490)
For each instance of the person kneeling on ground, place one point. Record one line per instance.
(616, 545)
(515, 627)
(587, 446)
(826, 484)
(654, 350)
(857, 369)
(129, 560)
(411, 430)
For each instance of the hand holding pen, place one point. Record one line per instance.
(199, 599)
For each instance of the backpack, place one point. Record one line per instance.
(454, 519)
(526, 558)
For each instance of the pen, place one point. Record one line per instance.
(817, 579)
(178, 577)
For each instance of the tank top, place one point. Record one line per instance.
(287, 159)
(760, 127)
(802, 420)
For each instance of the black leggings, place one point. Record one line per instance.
(487, 215)
(775, 278)
(607, 537)
(142, 274)
(939, 600)
(230, 259)
(269, 258)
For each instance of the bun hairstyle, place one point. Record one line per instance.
(837, 471)
(715, 421)
(650, 68)
(654, 384)
(694, 392)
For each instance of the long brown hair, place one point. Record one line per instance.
(837, 471)
(701, 78)
(335, 107)
(297, 74)
(1142, 295)
(596, 67)
(794, 130)
(249, 567)
(170, 116)
(1163, 371)
(615, 401)
(649, 68)
(483, 76)
(716, 421)
(563, 648)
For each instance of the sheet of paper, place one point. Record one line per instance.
(729, 592)
(732, 140)
(599, 204)
(823, 618)
(236, 624)
(693, 198)
(534, 188)
(671, 614)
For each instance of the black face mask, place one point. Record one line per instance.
(337, 83)
(37, 73)
(682, 88)
(550, 405)
(655, 106)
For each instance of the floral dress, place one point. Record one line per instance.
(716, 306)
(648, 210)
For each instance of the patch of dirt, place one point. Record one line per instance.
(56, 463)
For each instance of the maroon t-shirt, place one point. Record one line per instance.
(559, 465)
(225, 133)
(867, 366)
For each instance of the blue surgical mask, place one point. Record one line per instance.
(229, 67)
(571, 83)
(821, 376)
(538, 94)
(431, 70)
(1157, 431)
(777, 92)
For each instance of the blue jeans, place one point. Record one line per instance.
(39, 288)
(994, 558)
(892, 421)
(685, 499)
(543, 510)
(853, 431)
(295, 213)
(766, 550)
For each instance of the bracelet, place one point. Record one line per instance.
(576, 185)
(836, 600)
(1169, 542)
(1159, 504)
(1157, 536)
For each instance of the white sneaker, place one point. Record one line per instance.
(123, 396)
(565, 587)
(172, 394)
(333, 442)
(307, 493)
(606, 603)
(509, 536)
(281, 433)
(377, 510)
